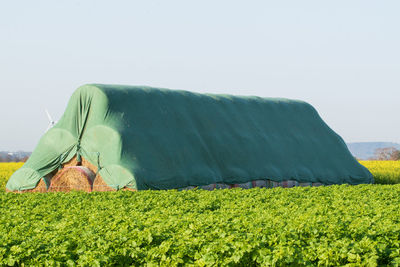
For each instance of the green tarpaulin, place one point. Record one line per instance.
(151, 138)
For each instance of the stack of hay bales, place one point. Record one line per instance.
(73, 178)
(76, 176)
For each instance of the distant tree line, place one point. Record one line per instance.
(19, 156)
(387, 153)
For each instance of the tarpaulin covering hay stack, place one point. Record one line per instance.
(142, 138)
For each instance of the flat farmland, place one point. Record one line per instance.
(331, 225)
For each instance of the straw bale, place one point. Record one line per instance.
(82, 176)
(40, 187)
(100, 185)
(98, 182)
(72, 178)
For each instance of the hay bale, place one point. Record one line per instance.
(72, 178)
(40, 187)
(100, 185)
(98, 182)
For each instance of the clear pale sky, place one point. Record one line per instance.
(343, 57)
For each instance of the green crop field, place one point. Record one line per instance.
(331, 225)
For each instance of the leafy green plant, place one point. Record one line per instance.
(329, 226)
(332, 225)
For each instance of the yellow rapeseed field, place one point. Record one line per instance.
(385, 172)
(6, 170)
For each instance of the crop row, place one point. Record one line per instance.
(331, 225)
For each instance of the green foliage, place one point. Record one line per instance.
(332, 225)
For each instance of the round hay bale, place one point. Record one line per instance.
(100, 185)
(72, 178)
(40, 187)
(98, 182)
